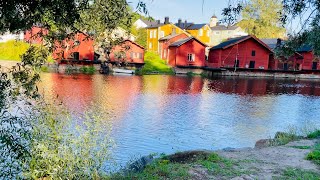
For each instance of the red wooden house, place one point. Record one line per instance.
(80, 47)
(187, 52)
(309, 61)
(128, 51)
(242, 52)
(165, 42)
(34, 36)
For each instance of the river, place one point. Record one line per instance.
(166, 114)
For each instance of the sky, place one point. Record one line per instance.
(193, 11)
(190, 10)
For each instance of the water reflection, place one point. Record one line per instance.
(174, 113)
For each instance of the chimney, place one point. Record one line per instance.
(185, 24)
(279, 42)
(158, 21)
(166, 20)
(179, 22)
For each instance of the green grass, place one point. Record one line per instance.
(164, 168)
(12, 50)
(314, 134)
(301, 147)
(298, 174)
(315, 154)
(88, 69)
(154, 64)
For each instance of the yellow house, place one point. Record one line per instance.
(201, 31)
(159, 30)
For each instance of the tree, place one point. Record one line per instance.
(18, 90)
(308, 14)
(262, 19)
(141, 36)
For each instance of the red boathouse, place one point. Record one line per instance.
(129, 52)
(187, 52)
(165, 42)
(247, 52)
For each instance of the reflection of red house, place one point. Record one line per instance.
(165, 42)
(34, 36)
(132, 52)
(80, 47)
(187, 52)
(241, 52)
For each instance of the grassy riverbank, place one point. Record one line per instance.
(289, 161)
(12, 50)
(154, 65)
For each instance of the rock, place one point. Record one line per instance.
(262, 143)
(243, 177)
(139, 165)
(199, 172)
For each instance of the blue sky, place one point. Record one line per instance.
(190, 10)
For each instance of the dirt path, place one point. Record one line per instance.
(271, 161)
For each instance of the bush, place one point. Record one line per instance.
(154, 64)
(88, 69)
(314, 134)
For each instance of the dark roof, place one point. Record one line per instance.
(196, 26)
(155, 25)
(223, 28)
(168, 37)
(147, 22)
(272, 43)
(305, 48)
(183, 25)
(182, 41)
(237, 40)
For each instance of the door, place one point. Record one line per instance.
(252, 64)
(314, 65)
(285, 66)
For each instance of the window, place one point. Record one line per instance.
(191, 57)
(201, 32)
(229, 32)
(140, 55)
(154, 34)
(165, 53)
(208, 33)
(150, 45)
(131, 55)
(217, 33)
(253, 53)
(151, 33)
(161, 34)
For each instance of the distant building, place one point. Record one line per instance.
(220, 33)
(246, 52)
(160, 30)
(142, 23)
(187, 52)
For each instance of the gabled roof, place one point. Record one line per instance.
(183, 41)
(238, 40)
(168, 37)
(133, 43)
(223, 28)
(154, 25)
(305, 48)
(148, 22)
(195, 26)
(272, 43)
(183, 25)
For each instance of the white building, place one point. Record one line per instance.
(10, 36)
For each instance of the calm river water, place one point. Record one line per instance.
(166, 114)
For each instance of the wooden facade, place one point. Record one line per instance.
(165, 42)
(187, 52)
(246, 52)
(128, 51)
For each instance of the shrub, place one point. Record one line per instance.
(88, 69)
(314, 134)
(12, 50)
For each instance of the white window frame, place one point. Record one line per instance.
(150, 45)
(208, 33)
(154, 34)
(200, 32)
(191, 57)
(161, 34)
(151, 33)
